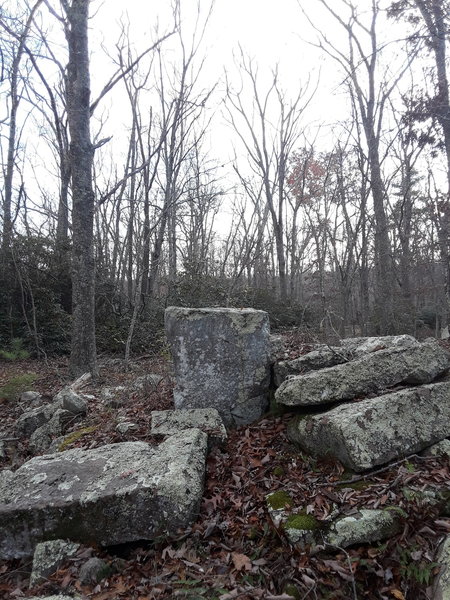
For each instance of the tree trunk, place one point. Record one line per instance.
(83, 349)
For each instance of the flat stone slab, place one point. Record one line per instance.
(372, 373)
(168, 422)
(109, 495)
(221, 360)
(326, 356)
(364, 527)
(372, 432)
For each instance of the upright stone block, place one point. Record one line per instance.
(221, 359)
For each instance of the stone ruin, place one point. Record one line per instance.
(221, 360)
(366, 401)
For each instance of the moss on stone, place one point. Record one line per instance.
(74, 436)
(301, 521)
(279, 500)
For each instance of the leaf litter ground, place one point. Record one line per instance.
(234, 550)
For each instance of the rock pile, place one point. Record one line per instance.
(384, 424)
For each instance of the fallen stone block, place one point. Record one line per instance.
(31, 420)
(441, 587)
(325, 356)
(364, 527)
(109, 495)
(93, 571)
(372, 373)
(168, 422)
(48, 557)
(359, 346)
(221, 360)
(442, 448)
(372, 432)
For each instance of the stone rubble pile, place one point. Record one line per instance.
(366, 402)
(365, 422)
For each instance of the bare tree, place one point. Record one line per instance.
(371, 85)
(268, 129)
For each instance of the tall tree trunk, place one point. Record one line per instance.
(83, 349)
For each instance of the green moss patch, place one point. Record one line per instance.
(73, 437)
(17, 385)
(279, 500)
(302, 521)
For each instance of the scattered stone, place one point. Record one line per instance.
(441, 588)
(372, 373)
(364, 527)
(72, 401)
(147, 382)
(365, 434)
(108, 495)
(30, 397)
(126, 427)
(31, 420)
(442, 448)
(277, 347)
(115, 396)
(221, 360)
(3, 450)
(48, 557)
(168, 422)
(42, 438)
(93, 571)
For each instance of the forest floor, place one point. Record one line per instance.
(234, 551)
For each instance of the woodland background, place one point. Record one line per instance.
(349, 237)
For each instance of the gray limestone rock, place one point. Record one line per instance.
(221, 360)
(27, 423)
(325, 356)
(30, 397)
(42, 438)
(109, 495)
(126, 427)
(441, 587)
(373, 432)
(372, 373)
(168, 422)
(147, 382)
(5, 477)
(93, 571)
(48, 557)
(72, 401)
(359, 346)
(364, 527)
(115, 396)
(442, 448)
